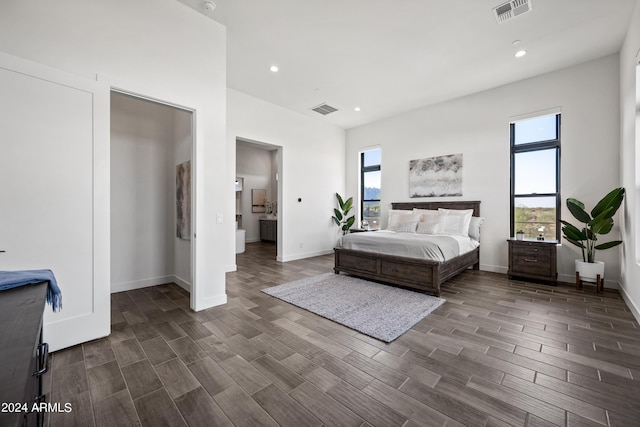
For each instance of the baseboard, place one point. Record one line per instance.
(494, 268)
(154, 281)
(252, 240)
(634, 308)
(571, 278)
(182, 283)
(138, 284)
(230, 268)
(566, 278)
(65, 333)
(303, 255)
(211, 302)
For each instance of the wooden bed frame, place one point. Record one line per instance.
(420, 274)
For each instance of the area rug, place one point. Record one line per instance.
(380, 311)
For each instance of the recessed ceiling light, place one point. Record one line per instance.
(356, 109)
(274, 69)
(209, 5)
(515, 42)
(521, 53)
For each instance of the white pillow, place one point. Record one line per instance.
(427, 215)
(398, 216)
(428, 228)
(407, 227)
(394, 217)
(455, 221)
(452, 224)
(474, 227)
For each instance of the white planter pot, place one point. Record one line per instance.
(589, 270)
(519, 236)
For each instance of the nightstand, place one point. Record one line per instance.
(533, 259)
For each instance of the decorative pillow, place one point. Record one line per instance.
(474, 227)
(453, 224)
(407, 227)
(428, 228)
(427, 215)
(398, 216)
(455, 221)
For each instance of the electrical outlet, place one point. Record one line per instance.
(219, 218)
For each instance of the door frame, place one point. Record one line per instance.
(194, 183)
(279, 149)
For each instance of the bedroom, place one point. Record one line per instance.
(458, 126)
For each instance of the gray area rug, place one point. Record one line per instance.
(380, 311)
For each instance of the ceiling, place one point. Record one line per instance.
(391, 57)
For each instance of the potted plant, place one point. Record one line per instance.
(340, 215)
(599, 222)
(519, 235)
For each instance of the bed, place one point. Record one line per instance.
(416, 273)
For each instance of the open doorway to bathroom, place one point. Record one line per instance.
(258, 187)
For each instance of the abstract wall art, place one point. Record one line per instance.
(258, 200)
(183, 200)
(436, 176)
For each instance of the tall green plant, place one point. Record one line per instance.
(340, 215)
(599, 222)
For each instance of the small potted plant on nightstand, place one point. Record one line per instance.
(519, 235)
(600, 221)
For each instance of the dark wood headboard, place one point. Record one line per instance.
(475, 205)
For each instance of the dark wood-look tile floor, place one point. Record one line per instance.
(499, 352)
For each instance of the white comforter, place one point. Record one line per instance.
(425, 246)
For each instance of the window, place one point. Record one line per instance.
(370, 189)
(535, 176)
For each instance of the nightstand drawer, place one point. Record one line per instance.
(531, 265)
(527, 248)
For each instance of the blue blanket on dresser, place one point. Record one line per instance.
(13, 279)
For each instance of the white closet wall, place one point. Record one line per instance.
(147, 141)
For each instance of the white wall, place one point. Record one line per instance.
(158, 48)
(148, 140)
(630, 164)
(312, 168)
(478, 127)
(254, 165)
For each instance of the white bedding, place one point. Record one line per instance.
(424, 246)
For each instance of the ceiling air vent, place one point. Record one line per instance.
(324, 109)
(511, 9)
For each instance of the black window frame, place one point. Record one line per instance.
(364, 169)
(536, 146)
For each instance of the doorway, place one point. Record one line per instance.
(258, 168)
(151, 194)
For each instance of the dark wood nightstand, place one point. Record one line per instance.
(533, 259)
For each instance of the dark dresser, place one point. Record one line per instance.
(23, 355)
(268, 230)
(533, 259)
